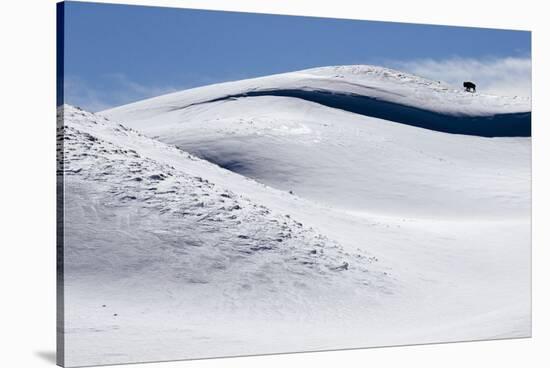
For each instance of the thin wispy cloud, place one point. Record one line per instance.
(113, 90)
(509, 76)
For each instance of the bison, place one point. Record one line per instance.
(469, 86)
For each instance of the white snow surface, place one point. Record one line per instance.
(392, 234)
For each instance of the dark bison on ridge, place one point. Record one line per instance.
(470, 87)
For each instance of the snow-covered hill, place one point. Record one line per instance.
(200, 225)
(345, 159)
(363, 89)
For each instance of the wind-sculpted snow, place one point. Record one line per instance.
(132, 217)
(366, 90)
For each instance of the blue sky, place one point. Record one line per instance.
(116, 54)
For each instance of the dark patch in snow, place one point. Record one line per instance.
(499, 125)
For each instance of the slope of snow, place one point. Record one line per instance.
(214, 224)
(392, 234)
(138, 227)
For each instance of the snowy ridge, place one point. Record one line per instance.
(367, 90)
(382, 83)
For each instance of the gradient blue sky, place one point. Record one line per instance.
(115, 54)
